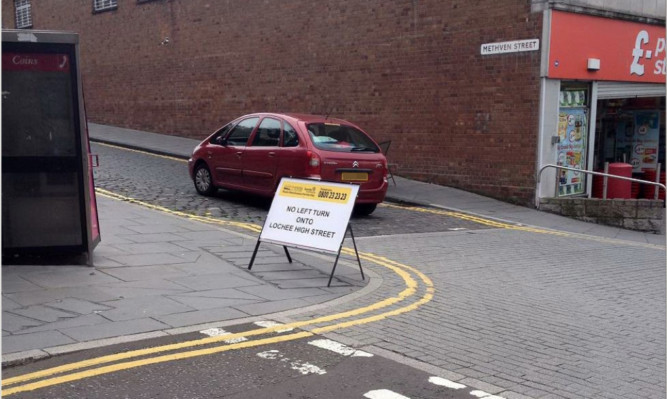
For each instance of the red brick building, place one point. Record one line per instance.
(413, 72)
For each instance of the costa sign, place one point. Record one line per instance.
(628, 51)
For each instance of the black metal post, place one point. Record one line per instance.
(289, 258)
(334, 266)
(349, 226)
(252, 260)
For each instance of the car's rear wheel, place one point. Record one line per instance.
(203, 181)
(364, 209)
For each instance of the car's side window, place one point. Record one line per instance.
(290, 138)
(220, 134)
(241, 133)
(268, 133)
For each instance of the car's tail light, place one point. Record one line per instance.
(314, 165)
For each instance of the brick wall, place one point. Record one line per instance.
(405, 70)
(8, 14)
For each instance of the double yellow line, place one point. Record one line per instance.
(205, 219)
(516, 227)
(415, 281)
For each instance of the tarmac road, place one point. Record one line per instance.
(312, 367)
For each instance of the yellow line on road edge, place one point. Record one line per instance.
(184, 355)
(208, 351)
(471, 218)
(509, 226)
(145, 362)
(248, 226)
(406, 293)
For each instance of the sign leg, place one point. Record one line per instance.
(334, 267)
(349, 227)
(289, 258)
(252, 260)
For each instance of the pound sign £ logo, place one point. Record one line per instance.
(636, 68)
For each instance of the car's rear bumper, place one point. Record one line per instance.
(372, 196)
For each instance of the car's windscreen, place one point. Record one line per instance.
(341, 138)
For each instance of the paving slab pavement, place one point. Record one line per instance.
(154, 272)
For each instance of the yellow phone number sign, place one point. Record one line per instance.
(318, 192)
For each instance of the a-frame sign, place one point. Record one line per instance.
(312, 215)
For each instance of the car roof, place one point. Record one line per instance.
(306, 118)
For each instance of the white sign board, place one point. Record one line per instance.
(309, 214)
(515, 46)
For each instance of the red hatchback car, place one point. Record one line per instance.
(253, 152)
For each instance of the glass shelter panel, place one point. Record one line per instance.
(42, 189)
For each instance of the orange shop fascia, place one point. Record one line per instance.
(628, 51)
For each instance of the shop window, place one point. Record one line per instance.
(104, 5)
(23, 14)
(572, 139)
(631, 130)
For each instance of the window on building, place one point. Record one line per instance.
(23, 14)
(104, 5)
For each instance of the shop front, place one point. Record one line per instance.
(603, 102)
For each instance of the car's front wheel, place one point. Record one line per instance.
(364, 209)
(203, 180)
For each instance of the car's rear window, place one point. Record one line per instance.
(341, 138)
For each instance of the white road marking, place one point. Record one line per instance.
(338, 348)
(307, 368)
(302, 367)
(445, 383)
(216, 332)
(485, 395)
(267, 324)
(384, 394)
(272, 354)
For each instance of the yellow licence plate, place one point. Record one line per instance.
(354, 176)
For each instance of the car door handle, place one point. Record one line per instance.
(239, 153)
(272, 154)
